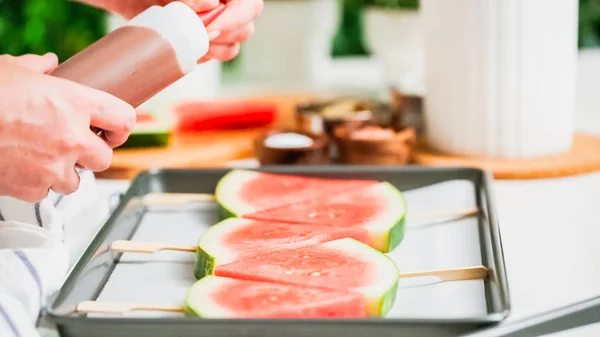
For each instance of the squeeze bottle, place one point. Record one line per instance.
(150, 52)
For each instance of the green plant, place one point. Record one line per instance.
(589, 23)
(39, 26)
(407, 4)
(348, 39)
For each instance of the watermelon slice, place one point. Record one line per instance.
(149, 131)
(344, 264)
(194, 116)
(234, 239)
(378, 208)
(242, 191)
(219, 297)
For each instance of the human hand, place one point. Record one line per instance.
(45, 128)
(42, 64)
(233, 27)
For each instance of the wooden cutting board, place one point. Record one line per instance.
(584, 157)
(202, 149)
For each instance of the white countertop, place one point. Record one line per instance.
(550, 228)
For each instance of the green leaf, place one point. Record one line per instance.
(39, 26)
(406, 4)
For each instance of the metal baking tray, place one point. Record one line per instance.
(577, 315)
(422, 308)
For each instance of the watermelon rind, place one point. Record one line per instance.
(208, 248)
(212, 251)
(380, 296)
(159, 138)
(198, 302)
(149, 134)
(226, 193)
(387, 229)
(225, 213)
(204, 264)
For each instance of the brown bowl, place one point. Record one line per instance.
(324, 116)
(397, 150)
(316, 154)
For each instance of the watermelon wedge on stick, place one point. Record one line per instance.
(343, 265)
(235, 239)
(379, 208)
(243, 191)
(219, 297)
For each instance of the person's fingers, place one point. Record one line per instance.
(204, 59)
(222, 52)
(97, 155)
(236, 36)
(202, 5)
(237, 14)
(110, 114)
(69, 184)
(38, 63)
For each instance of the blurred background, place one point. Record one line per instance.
(304, 49)
(65, 27)
(313, 41)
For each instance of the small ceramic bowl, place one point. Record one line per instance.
(323, 116)
(374, 145)
(289, 148)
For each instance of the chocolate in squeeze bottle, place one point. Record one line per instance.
(150, 52)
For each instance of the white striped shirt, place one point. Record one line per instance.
(34, 256)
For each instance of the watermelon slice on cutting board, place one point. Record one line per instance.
(219, 297)
(378, 208)
(149, 131)
(343, 265)
(236, 238)
(242, 191)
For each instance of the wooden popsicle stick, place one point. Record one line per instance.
(456, 274)
(125, 246)
(88, 307)
(178, 199)
(443, 214)
(445, 275)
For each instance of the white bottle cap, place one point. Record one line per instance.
(181, 26)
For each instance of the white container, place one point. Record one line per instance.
(500, 77)
(395, 37)
(292, 41)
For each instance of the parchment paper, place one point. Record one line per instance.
(164, 278)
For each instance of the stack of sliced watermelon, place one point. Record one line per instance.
(299, 247)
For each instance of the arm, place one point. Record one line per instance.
(44, 133)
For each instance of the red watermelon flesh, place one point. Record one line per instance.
(344, 264)
(314, 267)
(268, 235)
(241, 191)
(236, 238)
(348, 209)
(219, 297)
(378, 208)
